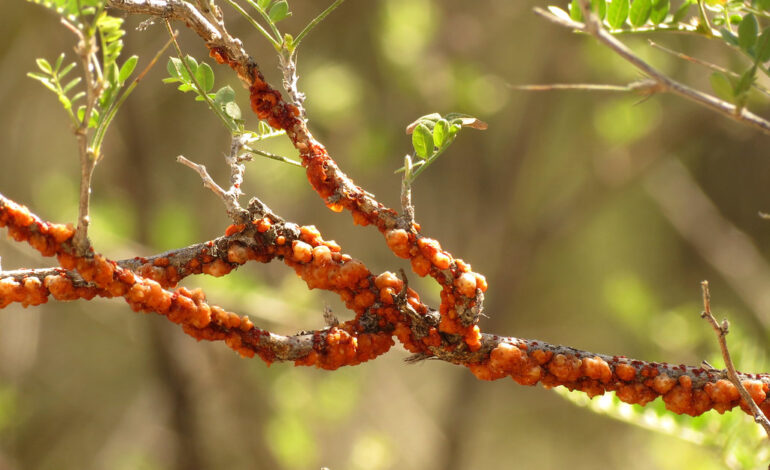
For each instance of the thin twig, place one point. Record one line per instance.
(721, 332)
(234, 209)
(593, 27)
(572, 86)
(407, 207)
(707, 64)
(273, 156)
(86, 49)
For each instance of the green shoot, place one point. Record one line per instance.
(432, 134)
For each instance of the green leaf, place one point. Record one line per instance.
(659, 11)
(574, 11)
(762, 54)
(127, 69)
(111, 74)
(92, 121)
(454, 129)
(721, 85)
(44, 80)
(440, 133)
(70, 85)
(177, 69)
(681, 12)
(263, 4)
(43, 65)
(205, 77)
(743, 85)
(640, 12)
(422, 141)
(233, 110)
(59, 61)
(172, 67)
(65, 102)
(192, 63)
(599, 7)
(729, 37)
(65, 70)
(747, 32)
(617, 13)
(279, 11)
(224, 95)
(763, 4)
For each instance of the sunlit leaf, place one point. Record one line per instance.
(44, 80)
(659, 11)
(440, 133)
(617, 13)
(43, 65)
(127, 69)
(205, 77)
(70, 85)
(233, 110)
(225, 95)
(279, 11)
(558, 12)
(640, 12)
(574, 11)
(422, 141)
(599, 7)
(681, 12)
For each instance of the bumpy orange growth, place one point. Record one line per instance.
(595, 376)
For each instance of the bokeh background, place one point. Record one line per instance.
(593, 216)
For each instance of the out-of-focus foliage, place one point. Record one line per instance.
(553, 203)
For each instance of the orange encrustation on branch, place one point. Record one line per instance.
(684, 389)
(317, 261)
(383, 305)
(462, 289)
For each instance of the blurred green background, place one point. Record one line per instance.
(593, 216)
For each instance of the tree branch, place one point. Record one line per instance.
(665, 84)
(684, 389)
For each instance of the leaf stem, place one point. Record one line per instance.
(254, 23)
(315, 22)
(416, 171)
(269, 21)
(273, 156)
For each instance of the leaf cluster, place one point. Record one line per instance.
(756, 46)
(432, 134)
(52, 77)
(198, 77)
(108, 78)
